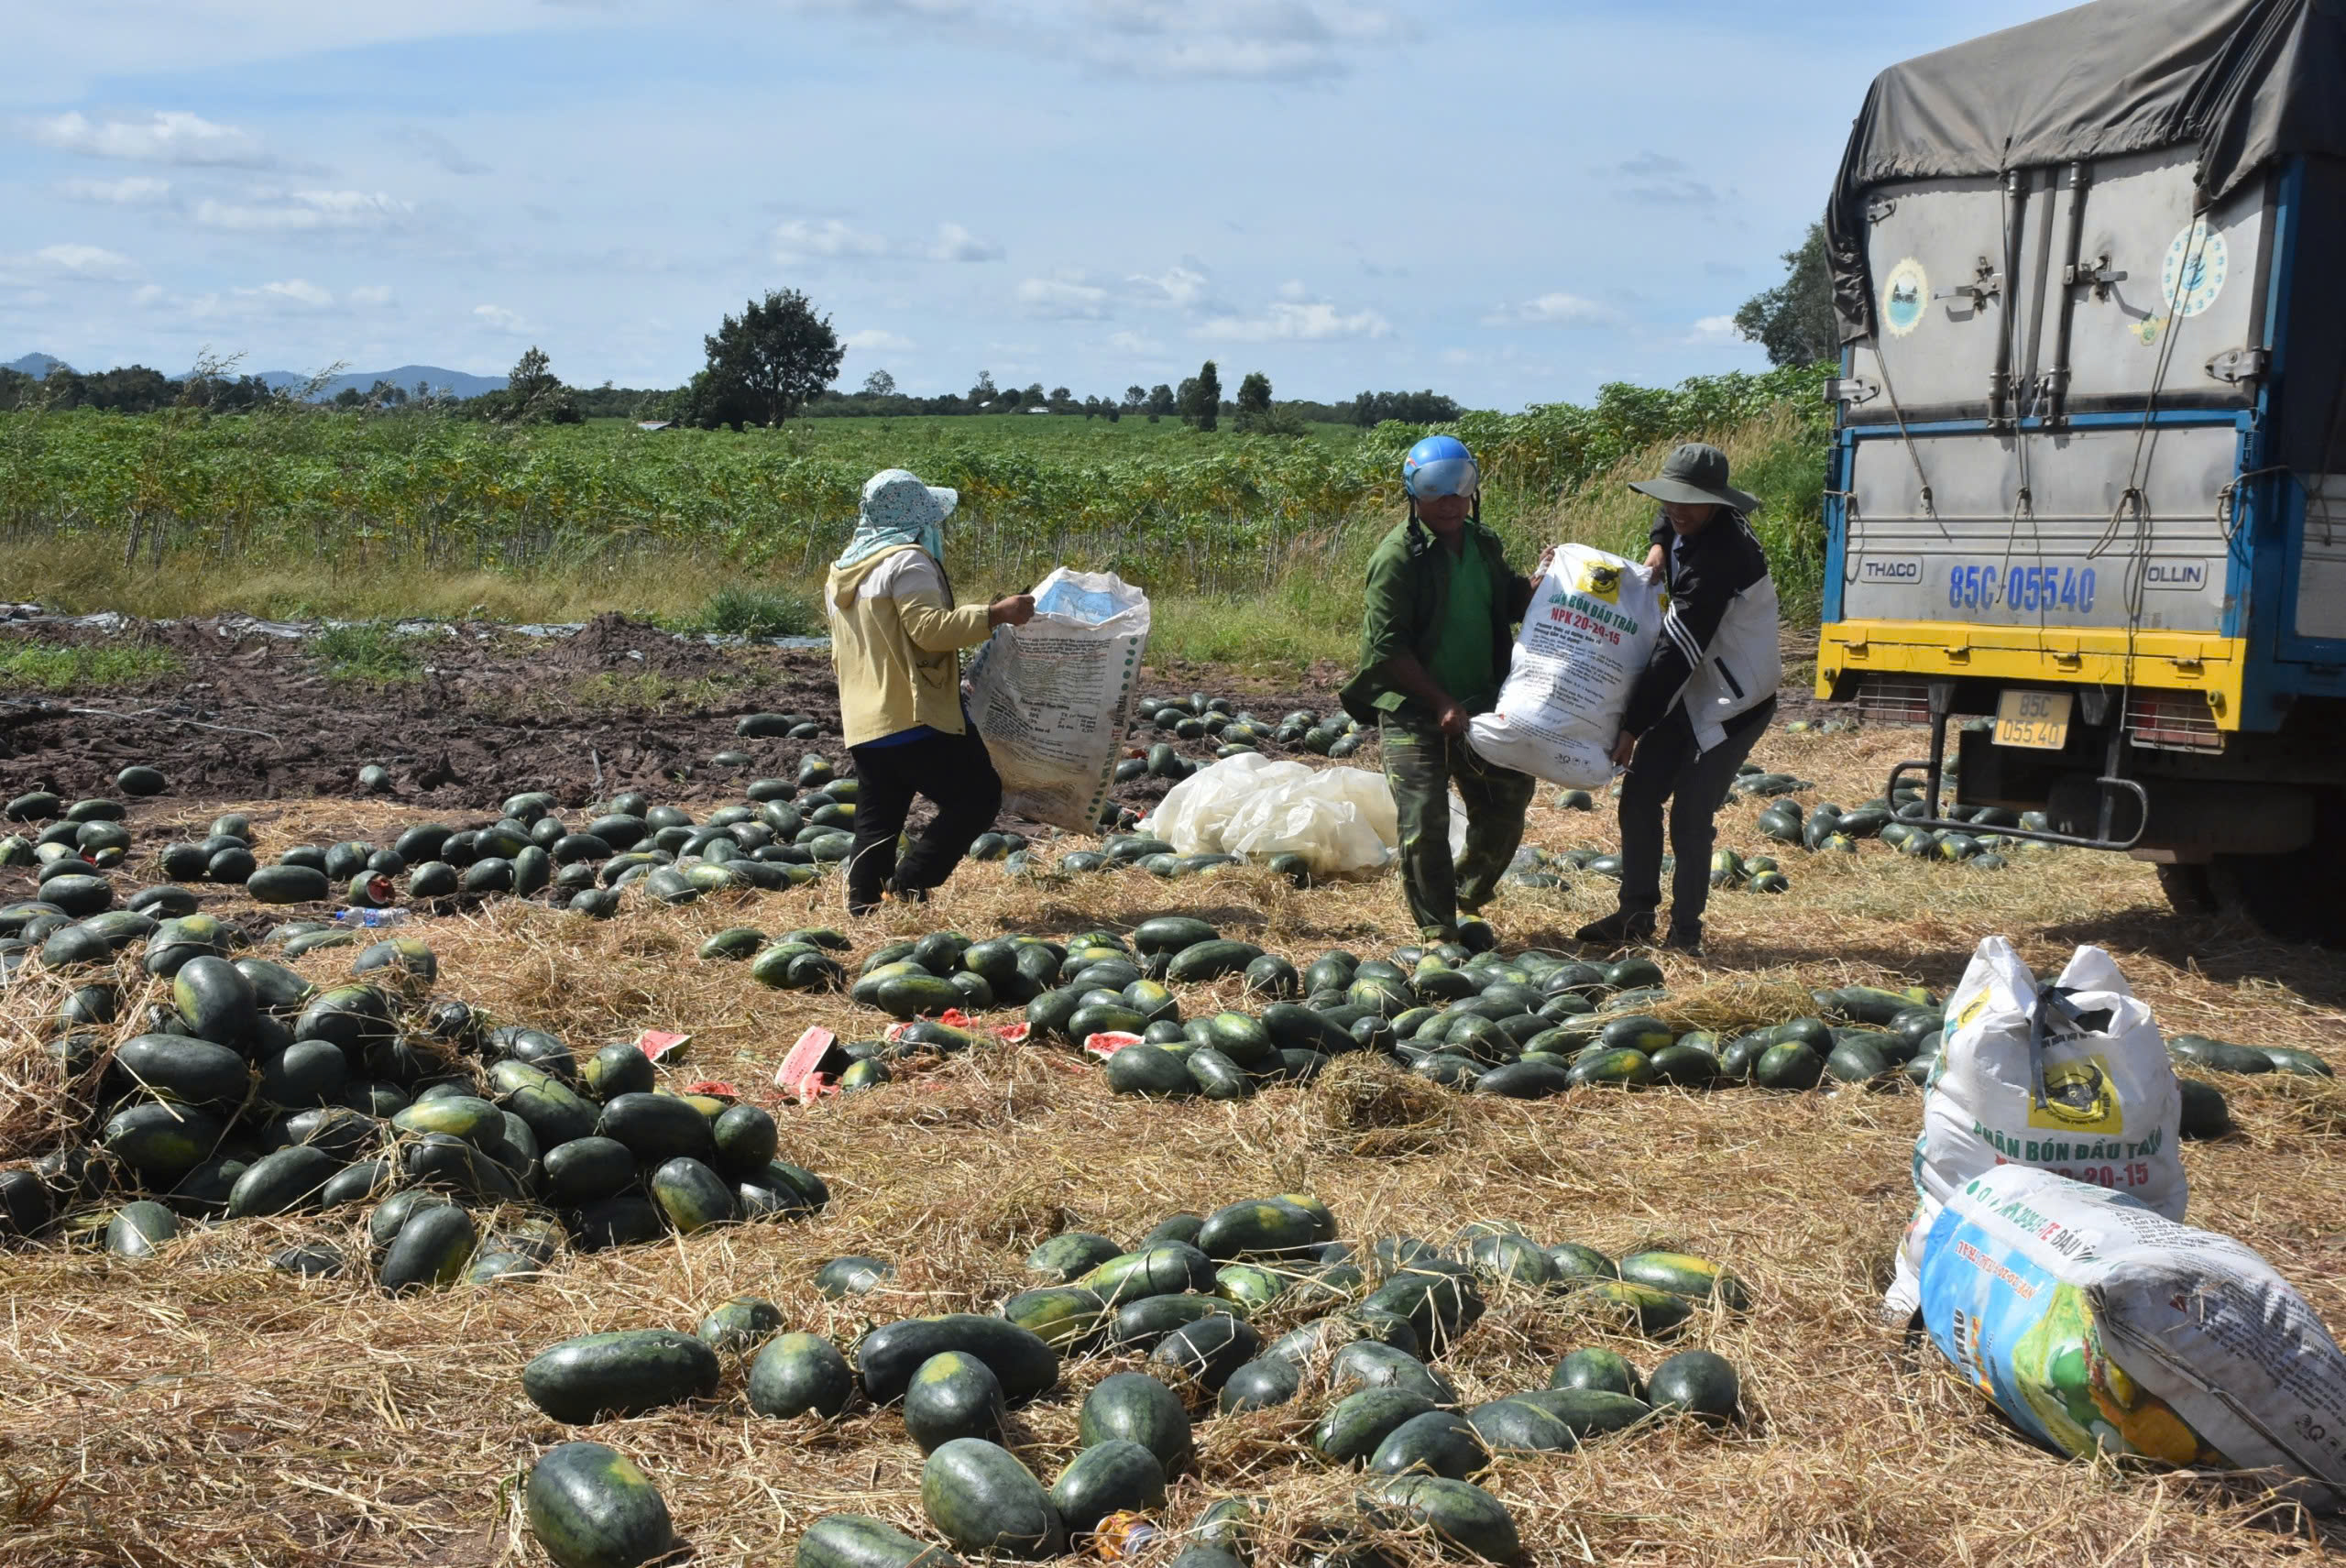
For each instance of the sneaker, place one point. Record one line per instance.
(1617, 929)
(1682, 940)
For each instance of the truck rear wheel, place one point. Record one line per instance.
(2187, 889)
(2294, 897)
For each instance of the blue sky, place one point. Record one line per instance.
(1512, 202)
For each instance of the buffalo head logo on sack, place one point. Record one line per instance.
(2078, 1097)
(1602, 582)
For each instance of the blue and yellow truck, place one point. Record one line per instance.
(2089, 475)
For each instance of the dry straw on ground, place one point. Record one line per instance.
(199, 1410)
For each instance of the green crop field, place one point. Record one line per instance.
(1250, 542)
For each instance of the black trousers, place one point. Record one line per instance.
(1666, 768)
(952, 770)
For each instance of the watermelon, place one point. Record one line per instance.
(798, 1373)
(590, 1507)
(982, 1499)
(954, 1395)
(1699, 1383)
(1134, 1407)
(623, 1373)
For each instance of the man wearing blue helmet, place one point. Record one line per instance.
(1442, 611)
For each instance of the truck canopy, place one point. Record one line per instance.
(2245, 82)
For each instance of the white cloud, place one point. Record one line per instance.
(500, 319)
(292, 291)
(1673, 193)
(1063, 299)
(831, 239)
(802, 240)
(304, 210)
(1180, 285)
(370, 294)
(1243, 39)
(86, 261)
(1293, 321)
(1248, 39)
(450, 158)
(1651, 166)
(874, 341)
(1658, 181)
(955, 243)
(1293, 289)
(147, 294)
(1714, 329)
(131, 191)
(1554, 310)
(171, 136)
(1134, 343)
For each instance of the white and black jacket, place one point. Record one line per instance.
(1718, 651)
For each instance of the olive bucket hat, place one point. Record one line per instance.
(1696, 474)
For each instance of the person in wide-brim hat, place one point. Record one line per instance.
(1695, 476)
(1702, 701)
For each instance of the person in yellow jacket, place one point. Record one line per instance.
(896, 641)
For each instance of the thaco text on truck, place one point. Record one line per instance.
(2088, 480)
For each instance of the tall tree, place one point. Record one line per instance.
(879, 384)
(1794, 321)
(983, 391)
(533, 394)
(765, 364)
(1135, 397)
(1254, 401)
(1201, 404)
(1161, 401)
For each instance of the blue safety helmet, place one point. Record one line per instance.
(1441, 466)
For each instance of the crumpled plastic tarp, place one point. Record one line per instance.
(1339, 820)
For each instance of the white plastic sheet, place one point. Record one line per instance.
(1339, 820)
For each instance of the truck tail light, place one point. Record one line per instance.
(1889, 699)
(2172, 721)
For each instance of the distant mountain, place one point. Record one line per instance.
(457, 383)
(405, 378)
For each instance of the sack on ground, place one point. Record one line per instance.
(1339, 820)
(2099, 1326)
(1054, 697)
(2072, 1077)
(1587, 637)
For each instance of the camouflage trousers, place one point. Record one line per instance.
(1422, 765)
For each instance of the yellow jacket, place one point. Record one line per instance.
(896, 638)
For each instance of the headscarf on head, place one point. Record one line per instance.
(898, 509)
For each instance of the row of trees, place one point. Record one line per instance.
(131, 390)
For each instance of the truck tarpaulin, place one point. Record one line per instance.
(2245, 82)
